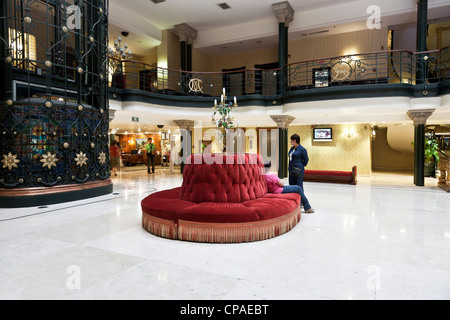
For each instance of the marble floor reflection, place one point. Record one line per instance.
(382, 239)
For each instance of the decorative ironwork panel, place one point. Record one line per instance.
(54, 119)
(150, 78)
(359, 69)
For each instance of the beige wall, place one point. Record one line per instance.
(386, 158)
(364, 41)
(244, 59)
(201, 62)
(168, 52)
(433, 41)
(308, 49)
(341, 154)
(169, 57)
(151, 57)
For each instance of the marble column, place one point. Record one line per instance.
(422, 34)
(285, 15)
(187, 36)
(283, 122)
(186, 127)
(420, 118)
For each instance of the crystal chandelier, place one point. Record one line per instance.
(222, 118)
(119, 53)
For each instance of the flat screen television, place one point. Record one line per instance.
(323, 134)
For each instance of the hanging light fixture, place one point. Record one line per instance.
(117, 54)
(120, 50)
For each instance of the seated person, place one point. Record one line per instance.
(274, 185)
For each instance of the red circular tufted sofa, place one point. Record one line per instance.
(223, 199)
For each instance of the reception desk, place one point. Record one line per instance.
(129, 159)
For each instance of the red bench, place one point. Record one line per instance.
(347, 177)
(221, 203)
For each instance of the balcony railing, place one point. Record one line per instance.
(386, 67)
(135, 75)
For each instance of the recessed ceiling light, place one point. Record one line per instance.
(224, 6)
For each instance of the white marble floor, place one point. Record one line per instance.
(381, 239)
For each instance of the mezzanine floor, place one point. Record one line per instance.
(381, 239)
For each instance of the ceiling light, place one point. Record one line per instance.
(157, 1)
(224, 6)
(319, 32)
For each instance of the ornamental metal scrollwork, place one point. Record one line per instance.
(196, 85)
(54, 130)
(341, 71)
(10, 161)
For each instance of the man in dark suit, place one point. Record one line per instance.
(298, 160)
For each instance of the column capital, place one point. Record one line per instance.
(284, 12)
(283, 121)
(112, 114)
(186, 33)
(420, 116)
(185, 124)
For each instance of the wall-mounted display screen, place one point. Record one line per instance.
(323, 134)
(321, 77)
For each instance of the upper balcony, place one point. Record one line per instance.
(397, 73)
(377, 74)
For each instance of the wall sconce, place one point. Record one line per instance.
(349, 133)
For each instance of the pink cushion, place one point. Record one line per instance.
(229, 179)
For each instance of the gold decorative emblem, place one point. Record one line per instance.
(341, 71)
(10, 161)
(196, 85)
(81, 159)
(102, 158)
(49, 160)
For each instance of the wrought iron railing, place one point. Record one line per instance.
(358, 69)
(435, 65)
(141, 76)
(386, 67)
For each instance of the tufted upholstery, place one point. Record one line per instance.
(223, 199)
(229, 179)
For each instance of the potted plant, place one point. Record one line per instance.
(431, 157)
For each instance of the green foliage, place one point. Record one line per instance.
(431, 151)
